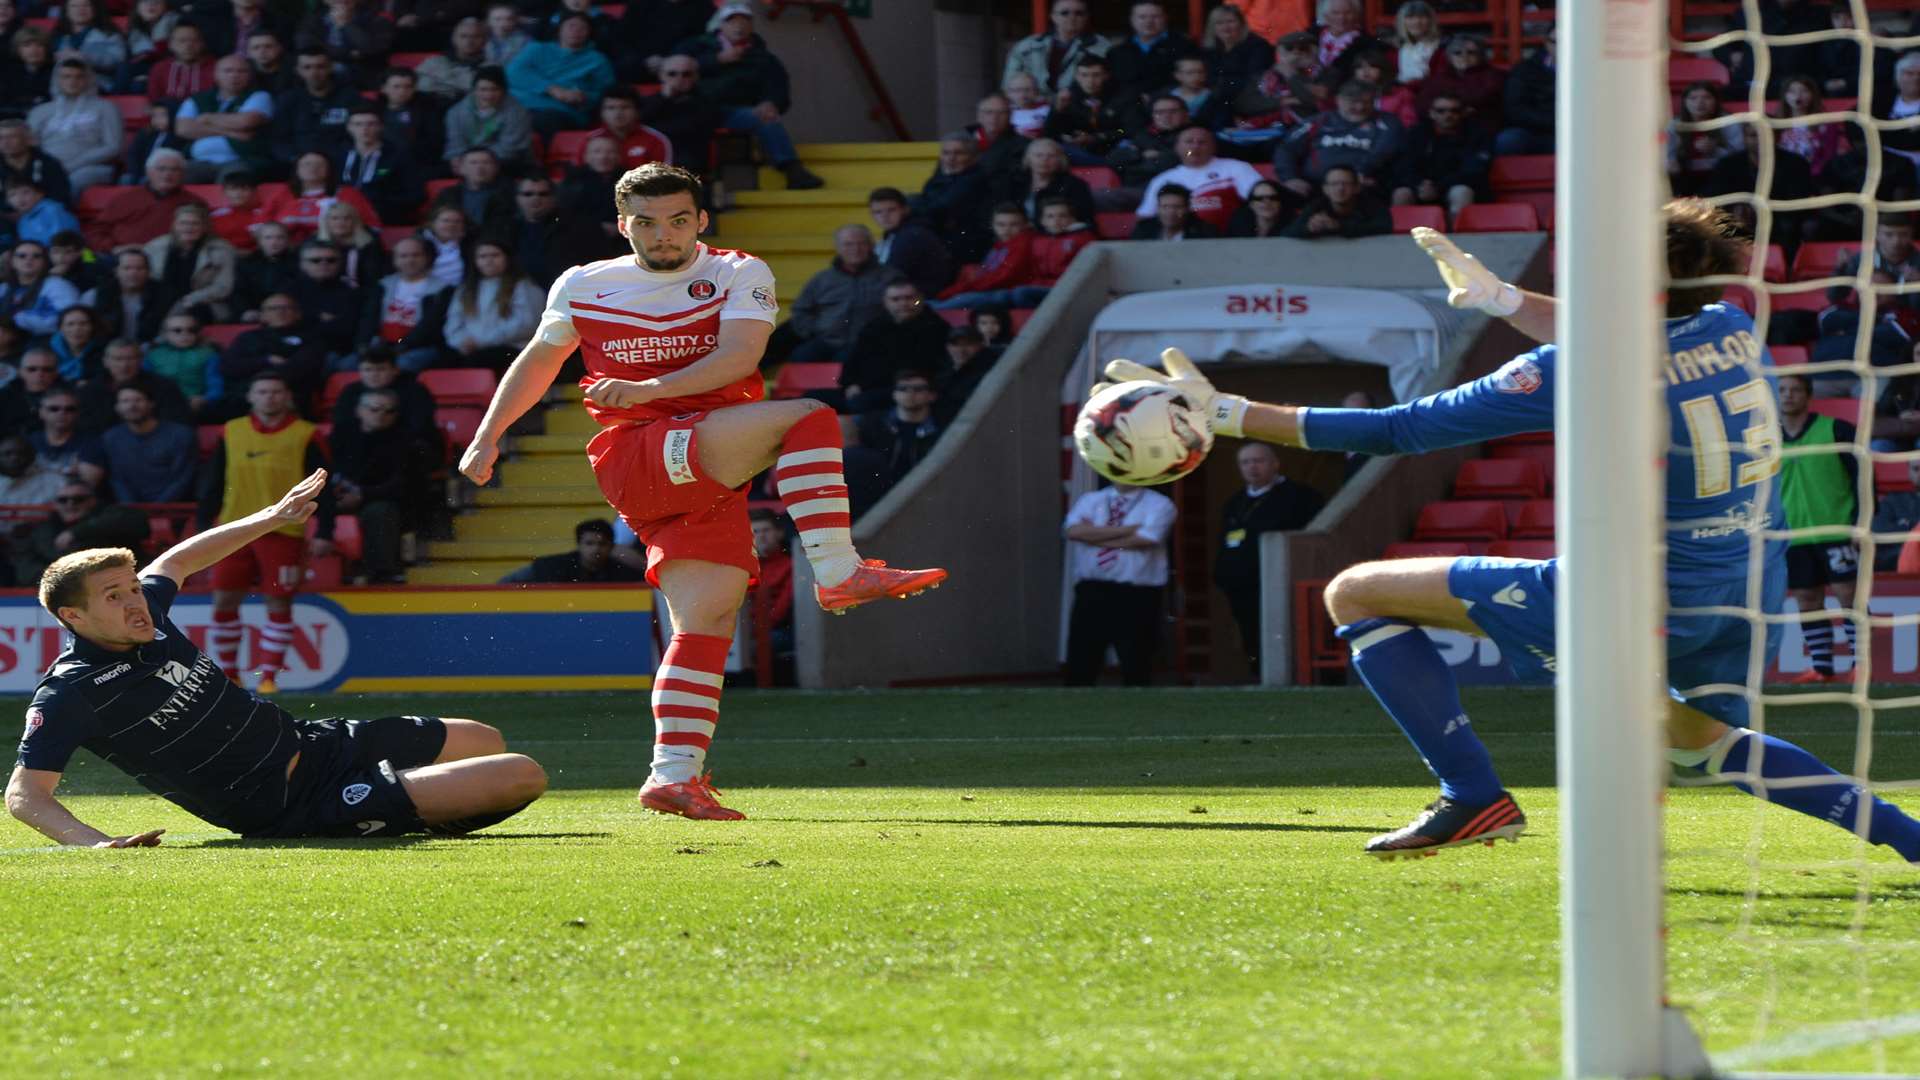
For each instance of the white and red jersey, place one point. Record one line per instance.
(636, 324)
(1215, 190)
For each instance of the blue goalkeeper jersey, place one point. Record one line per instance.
(1723, 450)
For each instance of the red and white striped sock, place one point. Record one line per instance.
(812, 484)
(224, 637)
(273, 641)
(686, 704)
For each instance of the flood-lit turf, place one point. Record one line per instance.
(996, 884)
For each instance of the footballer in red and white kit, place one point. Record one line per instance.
(672, 338)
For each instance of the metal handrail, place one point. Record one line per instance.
(836, 11)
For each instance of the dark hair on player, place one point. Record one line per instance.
(654, 180)
(598, 526)
(64, 583)
(1702, 241)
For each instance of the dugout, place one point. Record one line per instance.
(987, 504)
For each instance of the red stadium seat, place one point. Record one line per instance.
(1098, 177)
(346, 536)
(1533, 521)
(1264, 168)
(415, 59)
(1540, 454)
(1684, 70)
(565, 145)
(1417, 549)
(953, 316)
(323, 431)
(1891, 476)
(1522, 172)
(1114, 225)
(393, 234)
(325, 572)
(337, 384)
(161, 534)
(460, 386)
(211, 194)
(210, 437)
(1775, 266)
(1814, 300)
(221, 335)
(796, 379)
(434, 188)
(1741, 297)
(613, 11)
(1784, 355)
(1521, 549)
(1497, 217)
(1840, 408)
(1017, 320)
(1462, 520)
(1816, 259)
(1541, 201)
(1408, 218)
(459, 422)
(134, 111)
(1499, 478)
(92, 200)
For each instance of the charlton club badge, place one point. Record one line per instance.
(701, 290)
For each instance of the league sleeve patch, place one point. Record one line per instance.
(34, 719)
(763, 295)
(1518, 377)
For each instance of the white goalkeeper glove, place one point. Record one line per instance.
(1469, 283)
(1225, 412)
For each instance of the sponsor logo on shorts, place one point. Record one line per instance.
(675, 451)
(355, 794)
(702, 289)
(763, 296)
(1512, 596)
(1518, 377)
(34, 719)
(368, 828)
(111, 674)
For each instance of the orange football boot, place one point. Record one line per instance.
(876, 580)
(694, 798)
(1810, 677)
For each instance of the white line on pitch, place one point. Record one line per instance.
(1815, 1040)
(990, 740)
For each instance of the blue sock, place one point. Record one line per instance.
(1399, 664)
(1835, 802)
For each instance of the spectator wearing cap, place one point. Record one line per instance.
(448, 75)
(130, 302)
(1343, 209)
(907, 334)
(550, 238)
(652, 30)
(1143, 61)
(559, 81)
(489, 118)
(1215, 186)
(968, 361)
(1445, 160)
(151, 460)
(620, 121)
(1464, 72)
(34, 299)
(682, 114)
(1173, 217)
(134, 217)
(1235, 54)
(241, 211)
(1355, 135)
(415, 124)
(36, 217)
(19, 157)
(312, 116)
(228, 123)
(837, 301)
(1051, 57)
(481, 194)
(77, 127)
(379, 169)
(739, 73)
(906, 244)
(1003, 276)
(1089, 120)
(355, 38)
(955, 198)
(187, 68)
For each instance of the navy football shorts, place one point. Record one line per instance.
(348, 782)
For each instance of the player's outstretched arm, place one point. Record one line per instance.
(30, 799)
(197, 552)
(1227, 414)
(521, 388)
(1471, 285)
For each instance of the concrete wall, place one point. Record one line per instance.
(921, 55)
(987, 504)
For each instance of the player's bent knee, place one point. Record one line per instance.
(1347, 595)
(526, 780)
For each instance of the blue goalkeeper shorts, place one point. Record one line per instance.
(1511, 601)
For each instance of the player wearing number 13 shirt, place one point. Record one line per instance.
(672, 337)
(1722, 481)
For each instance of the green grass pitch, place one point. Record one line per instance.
(941, 883)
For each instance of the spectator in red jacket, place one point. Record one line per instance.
(1467, 75)
(235, 220)
(770, 601)
(620, 121)
(1062, 236)
(1008, 265)
(137, 216)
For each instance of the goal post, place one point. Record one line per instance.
(1610, 415)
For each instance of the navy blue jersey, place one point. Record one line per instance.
(1723, 445)
(166, 715)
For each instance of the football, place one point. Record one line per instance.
(1141, 433)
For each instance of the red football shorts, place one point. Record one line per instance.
(276, 563)
(651, 475)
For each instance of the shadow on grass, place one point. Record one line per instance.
(1036, 823)
(1881, 887)
(324, 842)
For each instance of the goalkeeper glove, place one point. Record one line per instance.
(1469, 284)
(1225, 412)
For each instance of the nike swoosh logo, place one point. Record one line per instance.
(604, 295)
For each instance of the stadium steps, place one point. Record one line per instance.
(793, 230)
(907, 174)
(475, 572)
(582, 497)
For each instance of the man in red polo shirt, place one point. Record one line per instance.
(620, 121)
